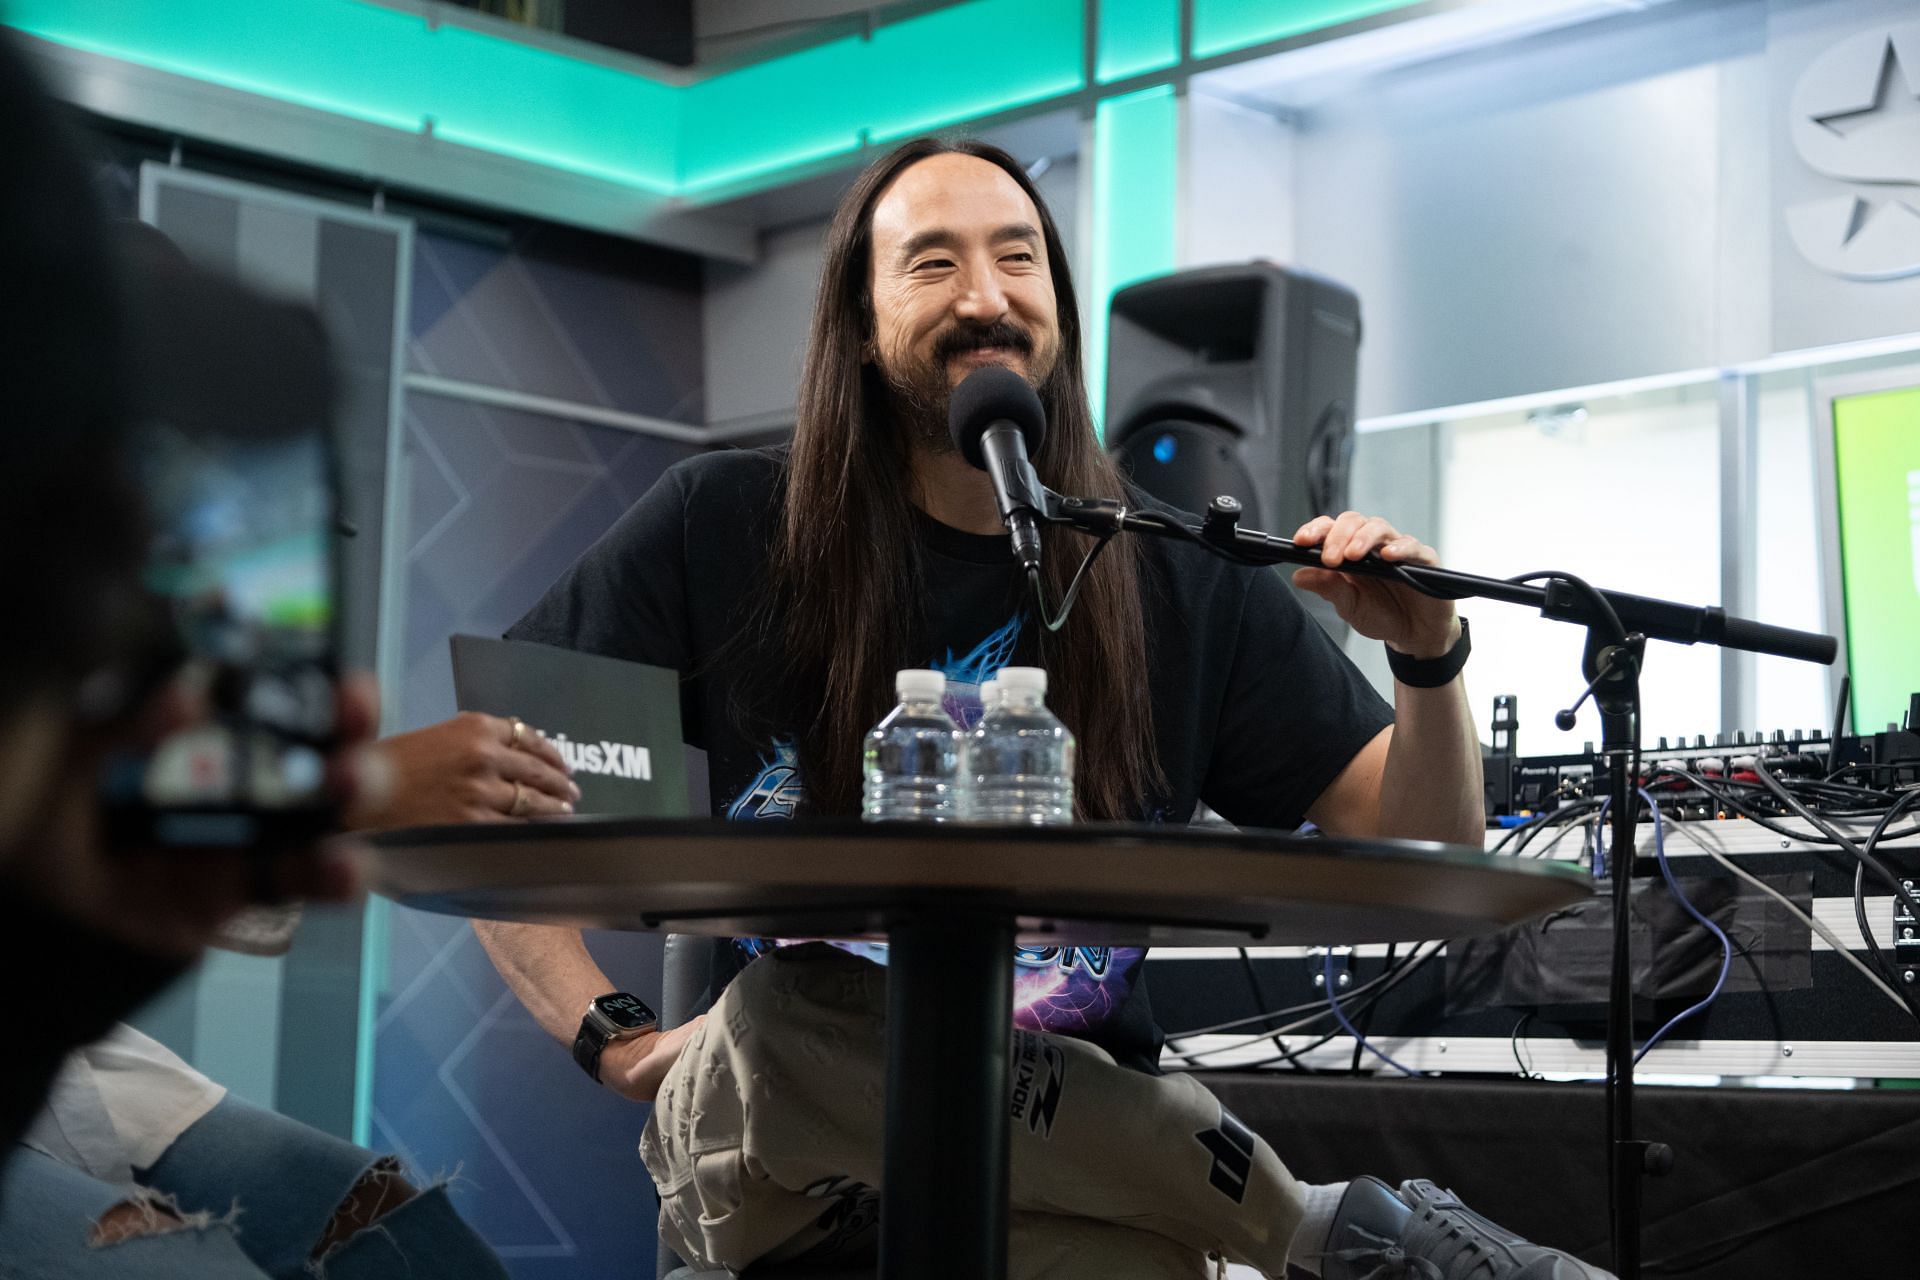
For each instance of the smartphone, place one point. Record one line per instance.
(238, 472)
(242, 572)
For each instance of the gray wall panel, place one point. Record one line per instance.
(355, 273)
(1237, 183)
(593, 321)
(1059, 185)
(1542, 215)
(281, 247)
(205, 224)
(757, 319)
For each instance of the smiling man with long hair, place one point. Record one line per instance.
(789, 585)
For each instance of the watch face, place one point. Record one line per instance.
(625, 1011)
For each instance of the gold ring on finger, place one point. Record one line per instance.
(519, 801)
(519, 727)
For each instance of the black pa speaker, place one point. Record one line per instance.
(1240, 380)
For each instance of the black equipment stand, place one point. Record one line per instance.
(1618, 627)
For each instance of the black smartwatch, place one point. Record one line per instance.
(1431, 673)
(614, 1016)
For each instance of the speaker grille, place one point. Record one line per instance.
(1189, 464)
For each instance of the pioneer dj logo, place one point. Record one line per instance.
(611, 759)
(1856, 117)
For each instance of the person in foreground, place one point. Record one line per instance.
(788, 586)
(119, 1159)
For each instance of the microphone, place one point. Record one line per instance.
(995, 420)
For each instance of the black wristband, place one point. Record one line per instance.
(1431, 673)
(588, 1045)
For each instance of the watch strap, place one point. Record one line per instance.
(588, 1045)
(1431, 673)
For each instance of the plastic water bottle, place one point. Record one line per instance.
(1020, 758)
(913, 756)
(989, 695)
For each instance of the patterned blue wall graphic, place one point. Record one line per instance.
(499, 503)
(615, 326)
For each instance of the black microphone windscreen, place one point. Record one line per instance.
(994, 393)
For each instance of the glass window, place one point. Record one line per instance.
(1623, 491)
(1786, 548)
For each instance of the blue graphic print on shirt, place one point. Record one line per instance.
(1068, 990)
(775, 791)
(966, 673)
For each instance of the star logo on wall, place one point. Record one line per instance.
(1855, 116)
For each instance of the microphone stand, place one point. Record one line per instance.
(1618, 627)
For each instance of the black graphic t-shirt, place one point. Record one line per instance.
(1255, 709)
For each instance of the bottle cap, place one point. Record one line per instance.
(918, 682)
(989, 692)
(1025, 679)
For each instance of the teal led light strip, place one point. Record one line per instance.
(383, 66)
(1136, 162)
(388, 67)
(376, 932)
(949, 66)
(1136, 37)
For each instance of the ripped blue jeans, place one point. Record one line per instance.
(253, 1192)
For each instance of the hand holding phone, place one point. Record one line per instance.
(171, 900)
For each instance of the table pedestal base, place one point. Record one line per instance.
(943, 1207)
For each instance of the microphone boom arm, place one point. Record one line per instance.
(1656, 619)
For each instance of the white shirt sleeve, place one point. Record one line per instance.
(118, 1104)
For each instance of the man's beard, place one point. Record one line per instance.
(918, 391)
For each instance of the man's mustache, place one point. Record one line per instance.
(1001, 333)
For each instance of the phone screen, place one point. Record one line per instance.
(243, 564)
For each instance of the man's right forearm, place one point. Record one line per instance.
(549, 968)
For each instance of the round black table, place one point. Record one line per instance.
(952, 901)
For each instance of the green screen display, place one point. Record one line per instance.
(1876, 451)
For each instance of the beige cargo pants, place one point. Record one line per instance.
(765, 1142)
